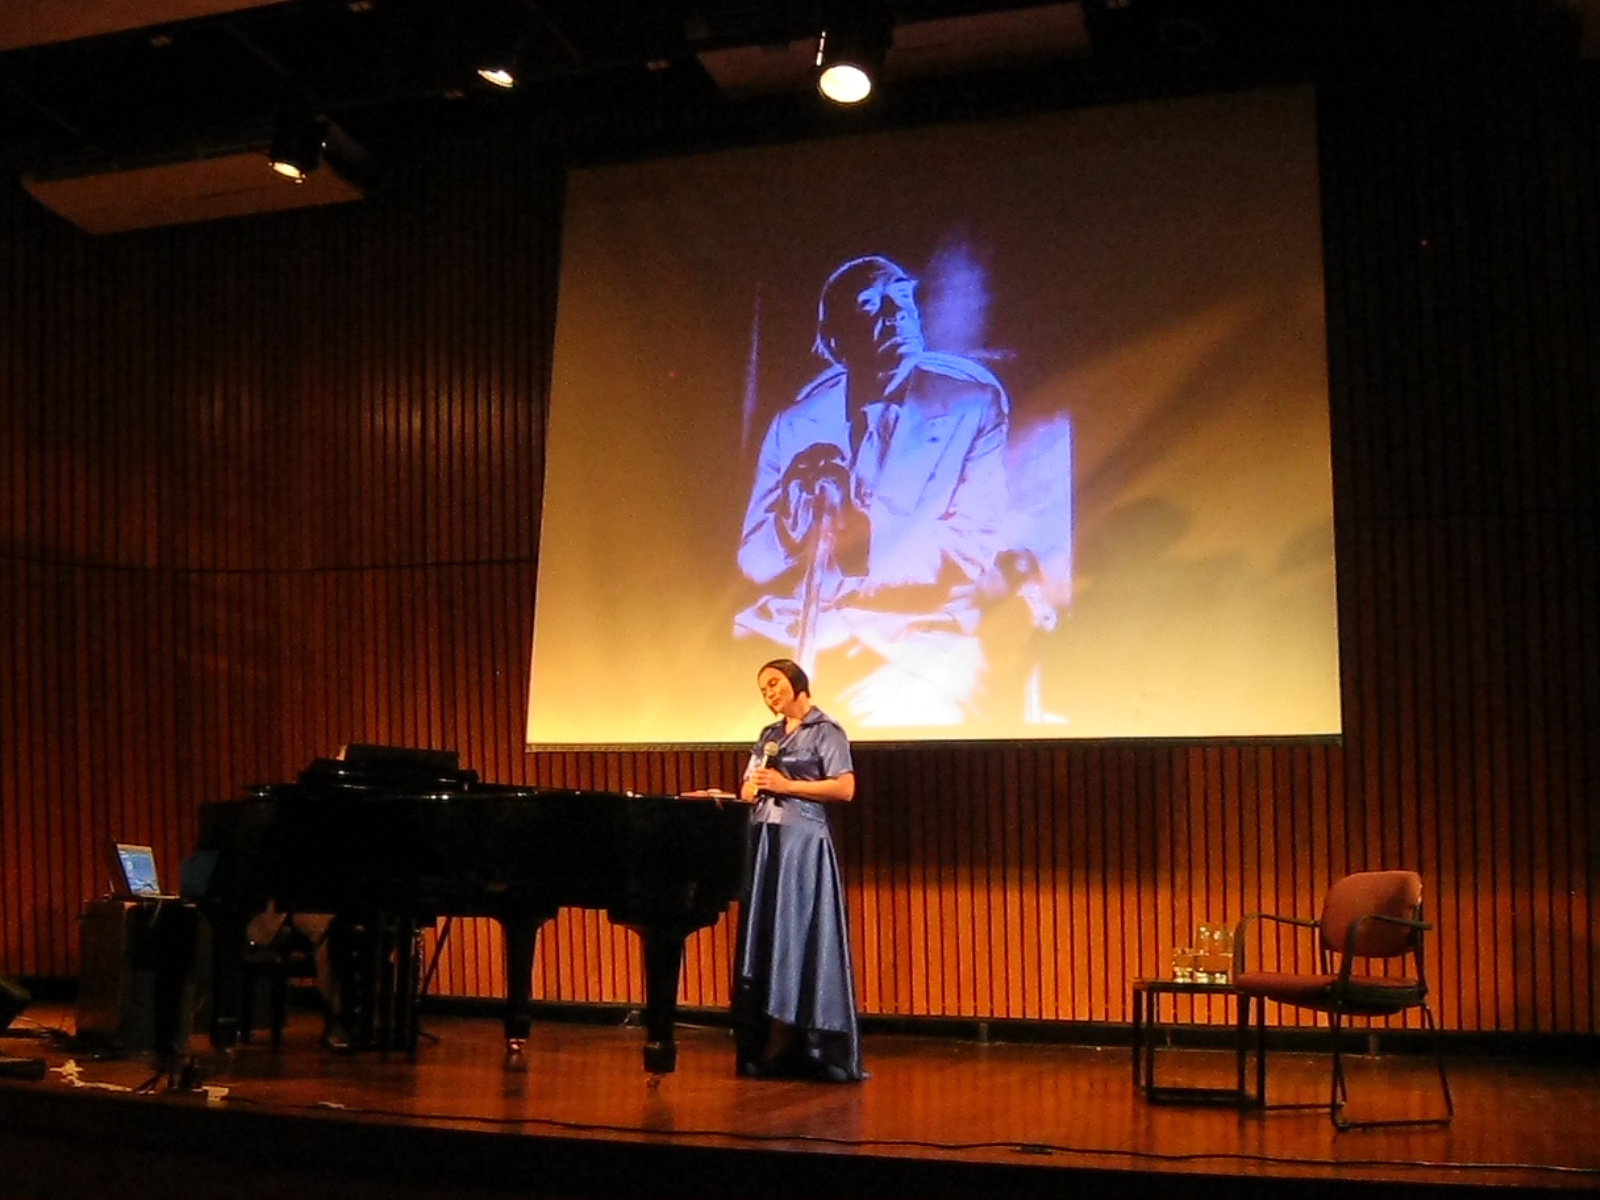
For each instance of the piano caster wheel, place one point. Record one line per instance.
(660, 1058)
(515, 1059)
(653, 1083)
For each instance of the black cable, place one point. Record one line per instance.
(27, 1027)
(1042, 1149)
(1037, 1148)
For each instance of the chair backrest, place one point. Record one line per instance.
(1389, 893)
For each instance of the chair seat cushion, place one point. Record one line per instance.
(1286, 988)
(1365, 995)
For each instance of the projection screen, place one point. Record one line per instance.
(1004, 430)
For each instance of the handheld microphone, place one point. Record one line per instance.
(769, 755)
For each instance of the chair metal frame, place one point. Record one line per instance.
(1346, 995)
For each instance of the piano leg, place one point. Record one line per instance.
(663, 965)
(395, 978)
(521, 932)
(227, 975)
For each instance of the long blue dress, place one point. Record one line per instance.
(793, 958)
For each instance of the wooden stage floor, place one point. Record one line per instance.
(937, 1118)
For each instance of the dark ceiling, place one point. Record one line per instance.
(377, 67)
(598, 69)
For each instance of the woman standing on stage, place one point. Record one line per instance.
(794, 1002)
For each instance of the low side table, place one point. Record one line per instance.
(1147, 995)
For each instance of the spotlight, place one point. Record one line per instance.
(850, 56)
(498, 56)
(502, 75)
(498, 64)
(297, 145)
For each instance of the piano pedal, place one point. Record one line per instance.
(660, 1058)
(515, 1059)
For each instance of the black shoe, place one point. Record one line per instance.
(822, 1072)
(767, 1068)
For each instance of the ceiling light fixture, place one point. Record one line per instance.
(498, 58)
(296, 147)
(850, 55)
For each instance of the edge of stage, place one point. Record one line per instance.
(940, 1118)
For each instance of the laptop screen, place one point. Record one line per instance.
(136, 870)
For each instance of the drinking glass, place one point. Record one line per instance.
(1204, 952)
(1221, 954)
(1183, 964)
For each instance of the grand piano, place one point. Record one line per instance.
(391, 840)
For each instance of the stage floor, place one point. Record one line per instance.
(938, 1117)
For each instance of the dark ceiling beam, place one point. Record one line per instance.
(305, 94)
(42, 22)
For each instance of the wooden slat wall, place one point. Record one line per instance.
(272, 485)
(269, 486)
(1463, 265)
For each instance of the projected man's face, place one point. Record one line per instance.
(870, 316)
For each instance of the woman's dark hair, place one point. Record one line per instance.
(791, 671)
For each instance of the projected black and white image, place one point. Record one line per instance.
(881, 524)
(1010, 429)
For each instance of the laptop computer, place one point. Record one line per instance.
(134, 874)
